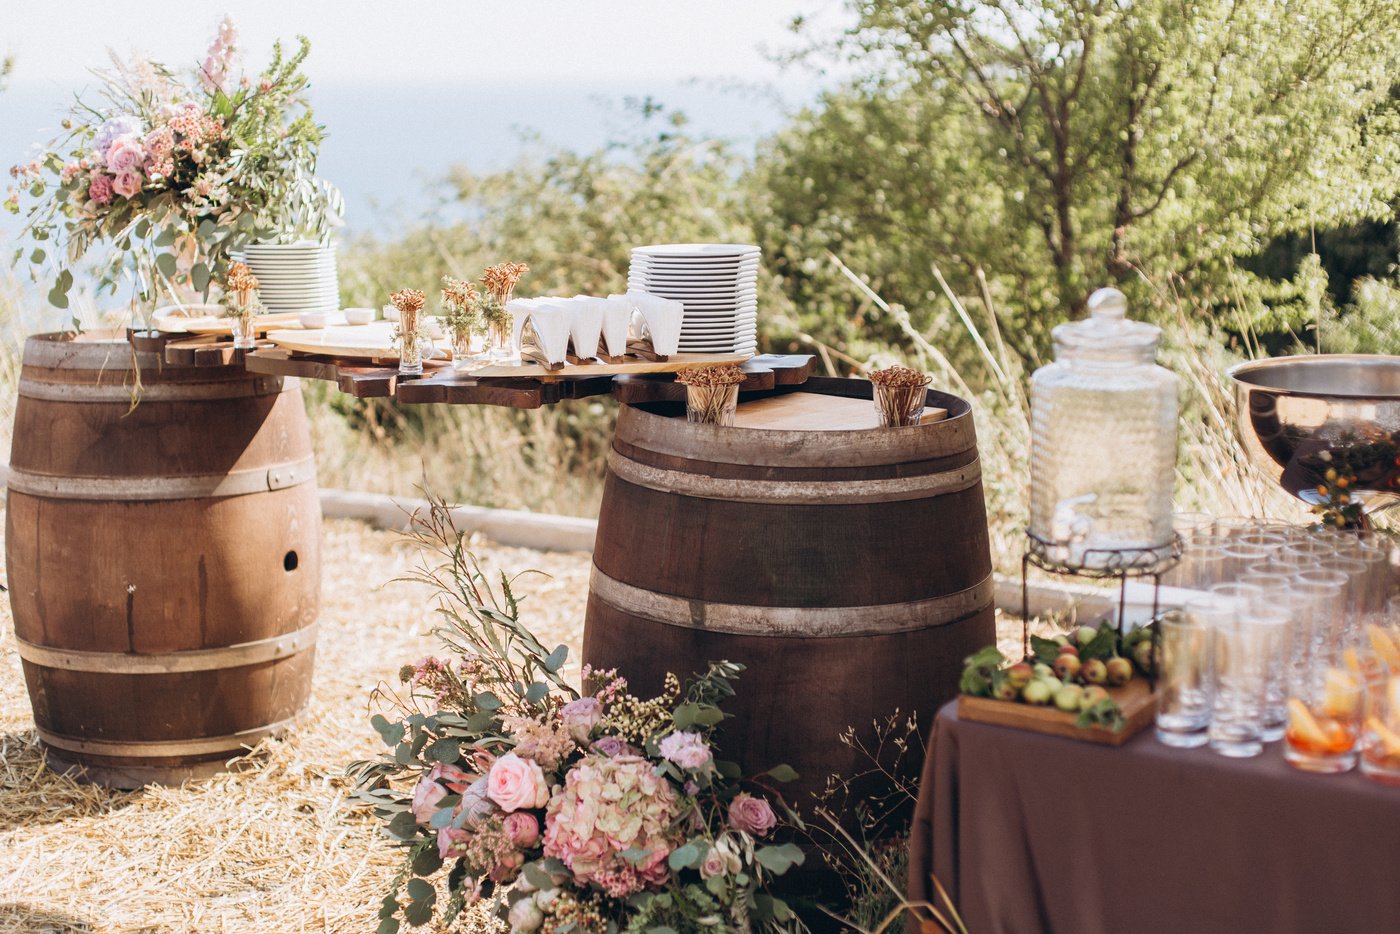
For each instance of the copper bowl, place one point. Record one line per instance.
(1296, 416)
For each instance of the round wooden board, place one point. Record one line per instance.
(172, 324)
(373, 341)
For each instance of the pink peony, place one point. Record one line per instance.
(751, 815)
(430, 789)
(609, 806)
(687, 749)
(522, 828)
(517, 784)
(125, 155)
(128, 184)
(100, 190)
(581, 716)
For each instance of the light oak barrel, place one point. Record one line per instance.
(163, 559)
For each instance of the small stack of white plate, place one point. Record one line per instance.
(295, 277)
(717, 283)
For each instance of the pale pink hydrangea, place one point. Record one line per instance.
(545, 741)
(609, 806)
(687, 749)
(113, 127)
(516, 784)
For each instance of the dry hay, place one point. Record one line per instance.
(278, 848)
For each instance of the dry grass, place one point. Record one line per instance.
(278, 848)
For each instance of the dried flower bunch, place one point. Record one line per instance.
(716, 375)
(240, 283)
(899, 395)
(501, 279)
(461, 304)
(711, 393)
(408, 301)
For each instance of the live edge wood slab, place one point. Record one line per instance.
(441, 384)
(1138, 703)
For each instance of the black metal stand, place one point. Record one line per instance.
(1120, 564)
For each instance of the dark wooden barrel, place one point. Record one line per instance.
(849, 570)
(163, 559)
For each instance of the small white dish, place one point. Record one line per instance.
(359, 315)
(391, 313)
(314, 320)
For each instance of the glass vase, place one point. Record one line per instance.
(410, 351)
(500, 341)
(244, 333)
(468, 351)
(899, 406)
(712, 405)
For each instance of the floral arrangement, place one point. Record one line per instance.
(411, 329)
(600, 813)
(241, 287)
(461, 304)
(177, 171)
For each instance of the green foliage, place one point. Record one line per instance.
(1053, 146)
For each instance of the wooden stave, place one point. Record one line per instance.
(260, 694)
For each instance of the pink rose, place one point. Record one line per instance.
(125, 155)
(581, 716)
(430, 789)
(100, 190)
(613, 746)
(128, 184)
(522, 828)
(751, 814)
(713, 864)
(517, 784)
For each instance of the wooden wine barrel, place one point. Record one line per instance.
(163, 559)
(849, 571)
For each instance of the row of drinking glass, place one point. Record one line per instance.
(1286, 633)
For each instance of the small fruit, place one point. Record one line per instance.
(1303, 725)
(1042, 670)
(1005, 690)
(1341, 693)
(1142, 654)
(1060, 640)
(1020, 675)
(1037, 693)
(1068, 697)
(1387, 737)
(1119, 670)
(1091, 696)
(1069, 650)
(1067, 667)
(1094, 671)
(1085, 634)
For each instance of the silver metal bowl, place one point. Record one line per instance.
(1297, 416)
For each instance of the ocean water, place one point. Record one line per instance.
(390, 145)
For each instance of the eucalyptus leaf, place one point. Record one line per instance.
(780, 858)
(200, 277)
(37, 256)
(556, 659)
(165, 263)
(445, 750)
(388, 926)
(537, 692)
(782, 773)
(166, 237)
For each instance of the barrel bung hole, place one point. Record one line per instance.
(289, 562)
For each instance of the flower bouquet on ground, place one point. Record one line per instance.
(599, 813)
(176, 172)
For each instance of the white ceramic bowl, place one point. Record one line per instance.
(359, 315)
(314, 320)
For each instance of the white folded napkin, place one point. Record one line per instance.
(663, 317)
(617, 315)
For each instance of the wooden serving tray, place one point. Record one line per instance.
(1136, 699)
(171, 324)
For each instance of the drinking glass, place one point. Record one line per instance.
(1266, 628)
(1193, 527)
(1237, 555)
(244, 334)
(1236, 724)
(410, 351)
(1185, 680)
(1357, 596)
(1380, 740)
(1324, 719)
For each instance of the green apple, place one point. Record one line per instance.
(1068, 697)
(1037, 693)
(1085, 634)
(1020, 674)
(1067, 667)
(1094, 671)
(1120, 670)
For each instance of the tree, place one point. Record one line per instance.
(1060, 144)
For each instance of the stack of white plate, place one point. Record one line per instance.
(717, 283)
(296, 277)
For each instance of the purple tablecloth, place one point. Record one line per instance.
(1033, 833)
